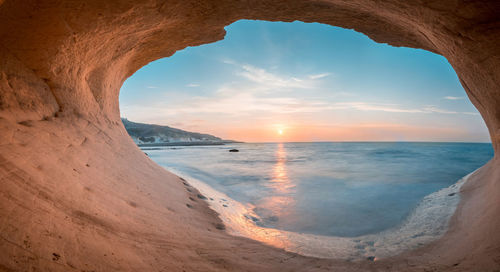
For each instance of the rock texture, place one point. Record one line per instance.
(77, 195)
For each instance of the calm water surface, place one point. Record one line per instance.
(333, 189)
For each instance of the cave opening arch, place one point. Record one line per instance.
(59, 78)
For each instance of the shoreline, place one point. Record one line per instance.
(428, 222)
(180, 144)
(124, 212)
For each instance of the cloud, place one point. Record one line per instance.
(471, 113)
(232, 100)
(454, 97)
(260, 93)
(435, 109)
(244, 101)
(263, 77)
(228, 61)
(438, 110)
(318, 76)
(362, 106)
(152, 87)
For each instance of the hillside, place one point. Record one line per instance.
(149, 134)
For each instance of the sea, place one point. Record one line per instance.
(350, 200)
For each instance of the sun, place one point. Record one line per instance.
(280, 131)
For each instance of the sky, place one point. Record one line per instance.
(303, 82)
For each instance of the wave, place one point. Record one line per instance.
(426, 223)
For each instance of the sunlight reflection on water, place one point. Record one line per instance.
(428, 222)
(276, 205)
(344, 200)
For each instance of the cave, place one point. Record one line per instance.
(78, 195)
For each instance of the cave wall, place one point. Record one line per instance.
(83, 51)
(69, 171)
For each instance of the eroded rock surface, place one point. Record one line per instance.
(77, 195)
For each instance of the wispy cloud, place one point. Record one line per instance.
(363, 106)
(228, 61)
(453, 97)
(193, 85)
(471, 113)
(152, 87)
(318, 76)
(238, 101)
(245, 103)
(266, 78)
(435, 109)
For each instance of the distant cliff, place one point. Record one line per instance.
(148, 134)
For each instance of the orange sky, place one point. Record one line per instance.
(360, 132)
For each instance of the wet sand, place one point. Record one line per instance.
(427, 223)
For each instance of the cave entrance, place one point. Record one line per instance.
(338, 136)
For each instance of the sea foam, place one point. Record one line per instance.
(426, 223)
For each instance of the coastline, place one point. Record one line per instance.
(123, 212)
(181, 144)
(428, 222)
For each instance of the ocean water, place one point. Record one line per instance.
(303, 192)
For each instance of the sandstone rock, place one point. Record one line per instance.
(62, 64)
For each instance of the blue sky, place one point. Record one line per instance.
(313, 82)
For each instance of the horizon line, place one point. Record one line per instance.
(462, 142)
